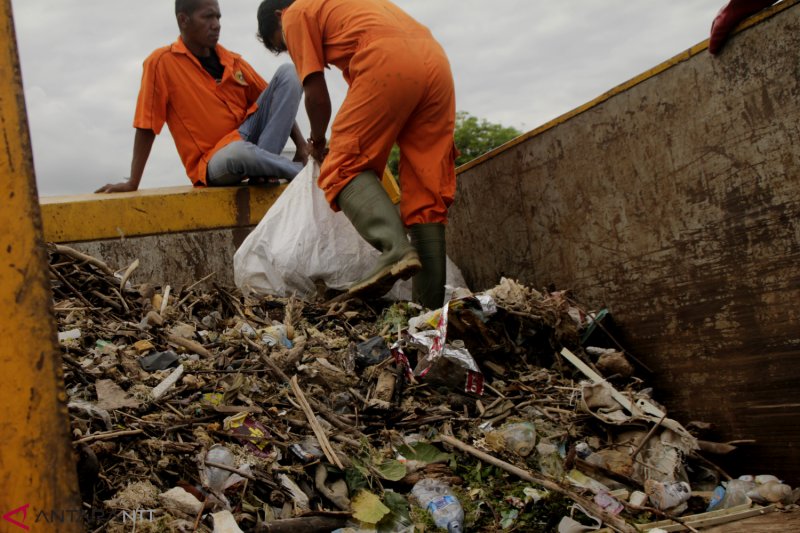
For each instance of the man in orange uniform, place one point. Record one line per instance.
(227, 123)
(400, 90)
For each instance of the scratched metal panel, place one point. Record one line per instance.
(677, 204)
(176, 259)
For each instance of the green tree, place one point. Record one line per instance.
(474, 137)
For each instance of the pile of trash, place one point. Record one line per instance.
(199, 409)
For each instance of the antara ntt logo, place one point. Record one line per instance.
(18, 516)
(25, 519)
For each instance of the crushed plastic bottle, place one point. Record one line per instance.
(550, 461)
(276, 334)
(667, 495)
(435, 496)
(518, 437)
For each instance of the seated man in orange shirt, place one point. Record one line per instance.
(400, 90)
(227, 123)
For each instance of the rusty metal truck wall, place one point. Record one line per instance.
(675, 201)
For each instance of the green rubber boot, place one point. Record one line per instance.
(372, 213)
(427, 287)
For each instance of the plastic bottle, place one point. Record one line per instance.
(550, 461)
(435, 496)
(518, 437)
(276, 334)
(667, 495)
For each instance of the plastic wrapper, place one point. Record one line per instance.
(251, 432)
(215, 478)
(443, 362)
(159, 361)
(451, 363)
(371, 352)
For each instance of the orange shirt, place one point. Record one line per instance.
(202, 116)
(329, 32)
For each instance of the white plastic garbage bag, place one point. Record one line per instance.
(301, 240)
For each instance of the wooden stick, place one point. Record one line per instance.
(159, 390)
(75, 254)
(595, 470)
(188, 290)
(75, 291)
(315, 426)
(662, 514)
(614, 522)
(723, 473)
(600, 325)
(230, 469)
(306, 524)
(198, 518)
(647, 437)
(133, 266)
(190, 345)
(329, 415)
(109, 435)
(165, 300)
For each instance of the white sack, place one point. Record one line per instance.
(301, 240)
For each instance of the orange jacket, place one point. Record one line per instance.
(202, 116)
(321, 33)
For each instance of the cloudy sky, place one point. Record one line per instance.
(516, 62)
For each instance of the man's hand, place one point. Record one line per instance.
(142, 143)
(729, 17)
(319, 149)
(123, 186)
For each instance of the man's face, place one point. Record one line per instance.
(200, 30)
(278, 39)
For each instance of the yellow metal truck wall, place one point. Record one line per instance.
(675, 201)
(37, 468)
(179, 235)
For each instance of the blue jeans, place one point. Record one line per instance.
(264, 135)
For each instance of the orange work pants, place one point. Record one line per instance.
(401, 90)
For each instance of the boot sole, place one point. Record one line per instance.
(383, 281)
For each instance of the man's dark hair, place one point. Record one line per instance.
(186, 6)
(268, 22)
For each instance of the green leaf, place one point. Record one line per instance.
(391, 470)
(424, 452)
(399, 515)
(368, 508)
(356, 479)
(397, 503)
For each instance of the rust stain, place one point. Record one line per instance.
(242, 205)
